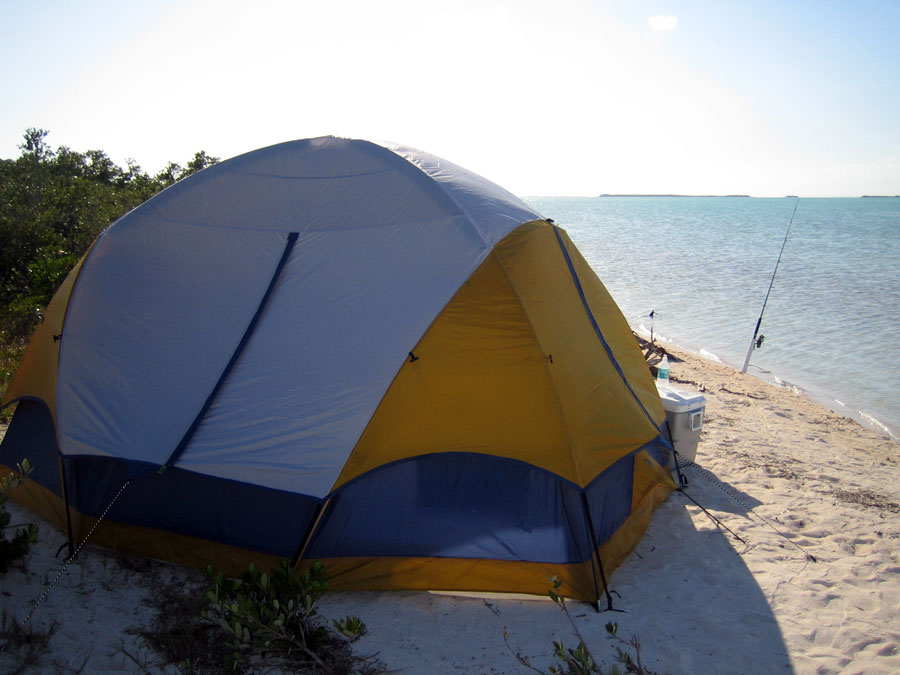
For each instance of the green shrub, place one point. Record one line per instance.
(350, 627)
(22, 539)
(272, 615)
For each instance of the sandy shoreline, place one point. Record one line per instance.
(813, 588)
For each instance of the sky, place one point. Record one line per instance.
(563, 97)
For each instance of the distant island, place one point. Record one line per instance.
(635, 195)
(723, 196)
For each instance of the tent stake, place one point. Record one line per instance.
(595, 551)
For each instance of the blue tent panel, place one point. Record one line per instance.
(229, 512)
(464, 505)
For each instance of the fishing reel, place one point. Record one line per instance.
(759, 341)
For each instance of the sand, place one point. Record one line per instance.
(812, 586)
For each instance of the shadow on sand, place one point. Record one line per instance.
(716, 494)
(686, 591)
(690, 595)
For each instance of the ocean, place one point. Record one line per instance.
(703, 265)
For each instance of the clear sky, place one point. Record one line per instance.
(563, 97)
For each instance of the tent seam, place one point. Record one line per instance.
(245, 338)
(62, 343)
(587, 308)
(486, 244)
(575, 465)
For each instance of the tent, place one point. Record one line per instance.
(358, 353)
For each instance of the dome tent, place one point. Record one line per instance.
(335, 350)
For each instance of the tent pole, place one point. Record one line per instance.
(65, 496)
(595, 551)
(304, 543)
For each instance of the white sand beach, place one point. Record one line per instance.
(814, 587)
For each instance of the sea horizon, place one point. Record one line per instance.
(705, 196)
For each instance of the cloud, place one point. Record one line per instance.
(662, 22)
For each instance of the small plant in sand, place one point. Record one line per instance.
(350, 627)
(17, 546)
(580, 661)
(23, 644)
(272, 615)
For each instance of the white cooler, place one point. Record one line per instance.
(684, 412)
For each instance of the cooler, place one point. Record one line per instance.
(684, 413)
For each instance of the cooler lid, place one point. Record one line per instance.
(675, 400)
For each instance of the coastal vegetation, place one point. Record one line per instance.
(16, 546)
(53, 204)
(261, 621)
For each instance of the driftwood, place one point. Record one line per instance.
(743, 393)
(681, 380)
(654, 352)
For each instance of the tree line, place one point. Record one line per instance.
(53, 204)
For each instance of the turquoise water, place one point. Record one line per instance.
(704, 264)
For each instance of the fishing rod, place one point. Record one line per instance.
(756, 342)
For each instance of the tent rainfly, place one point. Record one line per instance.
(337, 350)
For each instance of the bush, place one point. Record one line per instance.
(272, 615)
(22, 539)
